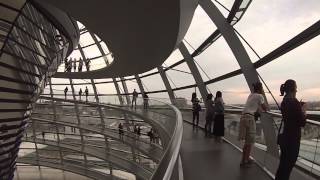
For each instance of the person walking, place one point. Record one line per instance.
(80, 94)
(65, 92)
(151, 135)
(65, 64)
(43, 135)
(80, 65)
(87, 62)
(247, 130)
(134, 98)
(121, 132)
(218, 126)
(86, 91)
(74, 64)
(293, 118)
(196, 108)
(209, 114)
(145, 101)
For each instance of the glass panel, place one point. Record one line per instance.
(17, 4)
(7, 14)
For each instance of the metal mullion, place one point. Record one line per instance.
(23, 59)
(23, 52)
(30, 49)
(107, 63)
(32, 37)
(79, 122)
(10, 30)
(55, 120)
(34, 139)
(83, 47)
(97, 100)
(37, 26)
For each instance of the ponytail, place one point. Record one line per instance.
(287, 87)
(282, 89)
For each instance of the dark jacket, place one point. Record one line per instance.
(293, 119)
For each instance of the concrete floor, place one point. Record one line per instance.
(205, 159)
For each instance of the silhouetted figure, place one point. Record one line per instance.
(86, 91)
(135, 129)
(69, 65)
(80, 65)
(209, 114)
(65, 64)
(121, 132)
(145, 101)
(196, 108)
(293, 117)
(74, 65)
(218, 126)
(87, 62)
(65, 92)
(247, 129)
(134, 98)
(80, 94)
(139, 131)
(43, 135)
(151, 135)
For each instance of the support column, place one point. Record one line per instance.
(125, 89)
(167, 84)
(101, 115)
(232, 40)
(107, 63)
(76, 108)
(53, 104)
(248, 70)
(140, 84)
(194, 70)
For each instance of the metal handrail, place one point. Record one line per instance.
(171, 153)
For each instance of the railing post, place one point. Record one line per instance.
(167, 84)
(125, 89)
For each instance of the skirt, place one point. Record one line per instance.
(218, 126)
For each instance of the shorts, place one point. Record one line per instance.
(247, 129)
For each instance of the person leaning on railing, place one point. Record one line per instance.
(293, 117)
(247, 129)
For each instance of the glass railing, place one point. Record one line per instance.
(168, 122)
(309, 155)
(156, 153)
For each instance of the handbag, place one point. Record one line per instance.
(280, 138)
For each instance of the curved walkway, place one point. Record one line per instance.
(151, 150)
(97, 152)
(205, 159)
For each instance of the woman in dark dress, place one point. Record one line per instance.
(195, 110)
(294, 117)
(218, 126)
(209, 114)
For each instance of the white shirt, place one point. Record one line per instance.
(253, 103)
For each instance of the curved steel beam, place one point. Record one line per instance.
(233, 41)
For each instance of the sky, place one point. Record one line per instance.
(266, 25)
